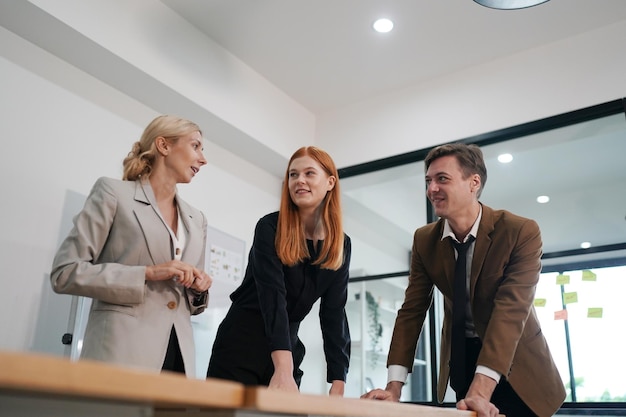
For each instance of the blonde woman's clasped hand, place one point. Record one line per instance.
(184, 274)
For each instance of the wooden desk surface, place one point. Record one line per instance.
(171, 394)
(53, 375)
(271, 401)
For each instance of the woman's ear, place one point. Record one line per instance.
(331, 182)
(162, 145)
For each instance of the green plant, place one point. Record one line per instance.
(374, 328)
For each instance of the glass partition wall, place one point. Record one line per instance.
(575, 162)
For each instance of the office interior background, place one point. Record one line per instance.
(80, 80)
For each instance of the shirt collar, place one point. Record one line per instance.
(447, 230)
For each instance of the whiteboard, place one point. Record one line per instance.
(224, 261)
(57, 312)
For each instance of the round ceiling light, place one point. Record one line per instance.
(509, 4)
(383, 25)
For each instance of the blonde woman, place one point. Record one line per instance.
(299, 255)
(137, 249)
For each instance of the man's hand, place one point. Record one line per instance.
(478, 397)
(481, 406)
(390, 393)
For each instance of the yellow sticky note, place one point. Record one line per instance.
(588, 275)
(540, 302)
(562, 279)
(560, 315)
(570, 297)
(594, 312)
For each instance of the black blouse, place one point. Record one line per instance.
(285, 295)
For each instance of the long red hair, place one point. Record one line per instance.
(290, 237)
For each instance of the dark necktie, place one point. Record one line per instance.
(459, 303)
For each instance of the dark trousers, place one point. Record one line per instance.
(173, 358)
(503, 397)
(241, 352)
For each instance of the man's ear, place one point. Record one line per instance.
(476, 182)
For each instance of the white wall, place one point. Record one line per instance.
(145, 50)
(62, 137)
(553, 79)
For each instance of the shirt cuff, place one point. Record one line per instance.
(397, 373)
(481, 369)
(199, 298)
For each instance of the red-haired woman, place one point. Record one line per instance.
(299, 254)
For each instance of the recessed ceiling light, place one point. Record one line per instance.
(505, 158)
(585, 245)
(542, 199)
(383, 25)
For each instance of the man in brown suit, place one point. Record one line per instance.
(509, 366)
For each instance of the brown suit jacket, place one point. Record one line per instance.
(505, 270)
(115, 236)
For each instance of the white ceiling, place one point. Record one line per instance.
(325, 54)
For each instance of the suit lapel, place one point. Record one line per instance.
(154, 228)
(481, 247)
(192, 247)
(444, 250)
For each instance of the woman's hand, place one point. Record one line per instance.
(283, 382)
(181, 272)
(202, 281)
(283, 372)
(337, 387)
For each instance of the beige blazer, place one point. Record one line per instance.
(505, 270)
(115, 236)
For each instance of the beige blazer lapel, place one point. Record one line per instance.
(158, 240)
(195, 234)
